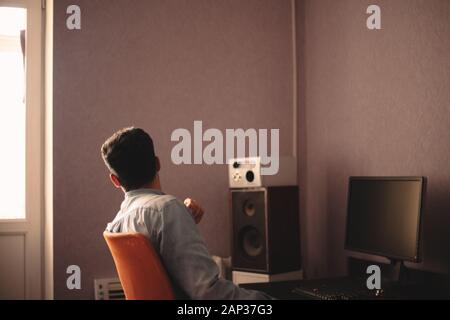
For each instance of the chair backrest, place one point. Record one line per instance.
(140, 270)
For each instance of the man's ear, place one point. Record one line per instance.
(115, 180)
(158, 164)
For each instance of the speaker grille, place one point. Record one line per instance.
(249, 229)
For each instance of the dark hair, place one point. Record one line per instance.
(130, 155)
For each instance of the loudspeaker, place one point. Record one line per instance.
(247, 173)
(265, 224)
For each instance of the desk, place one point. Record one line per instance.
(279, 290)
(283, 290)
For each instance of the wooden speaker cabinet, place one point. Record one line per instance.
(266, 230)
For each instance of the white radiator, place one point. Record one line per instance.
(108, 289)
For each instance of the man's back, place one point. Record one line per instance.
(174, 235)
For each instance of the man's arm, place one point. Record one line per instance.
(188, 261)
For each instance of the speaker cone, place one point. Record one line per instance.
(249, 208)
(250, 176)
(251, 241)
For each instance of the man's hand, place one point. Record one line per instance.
(196, 210)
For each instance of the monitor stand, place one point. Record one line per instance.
(398, 271)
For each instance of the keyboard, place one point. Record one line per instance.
(338, 294)
(342, 290)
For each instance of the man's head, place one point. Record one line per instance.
(130, 157)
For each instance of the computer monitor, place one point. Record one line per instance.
(383, 216)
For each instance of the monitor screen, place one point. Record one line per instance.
(383, 216)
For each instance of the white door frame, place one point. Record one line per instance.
(48, 168)
(31, 228)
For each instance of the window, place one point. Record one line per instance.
(12, 112)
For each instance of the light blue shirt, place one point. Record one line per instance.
(172, 230)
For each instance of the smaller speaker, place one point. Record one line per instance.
(246, 173)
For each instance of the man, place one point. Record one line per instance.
(169, 224)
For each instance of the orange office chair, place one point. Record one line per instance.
(140, 270)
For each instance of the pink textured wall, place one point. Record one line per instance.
(160, 65)
(372, 103)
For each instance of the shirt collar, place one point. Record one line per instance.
(138, 192)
